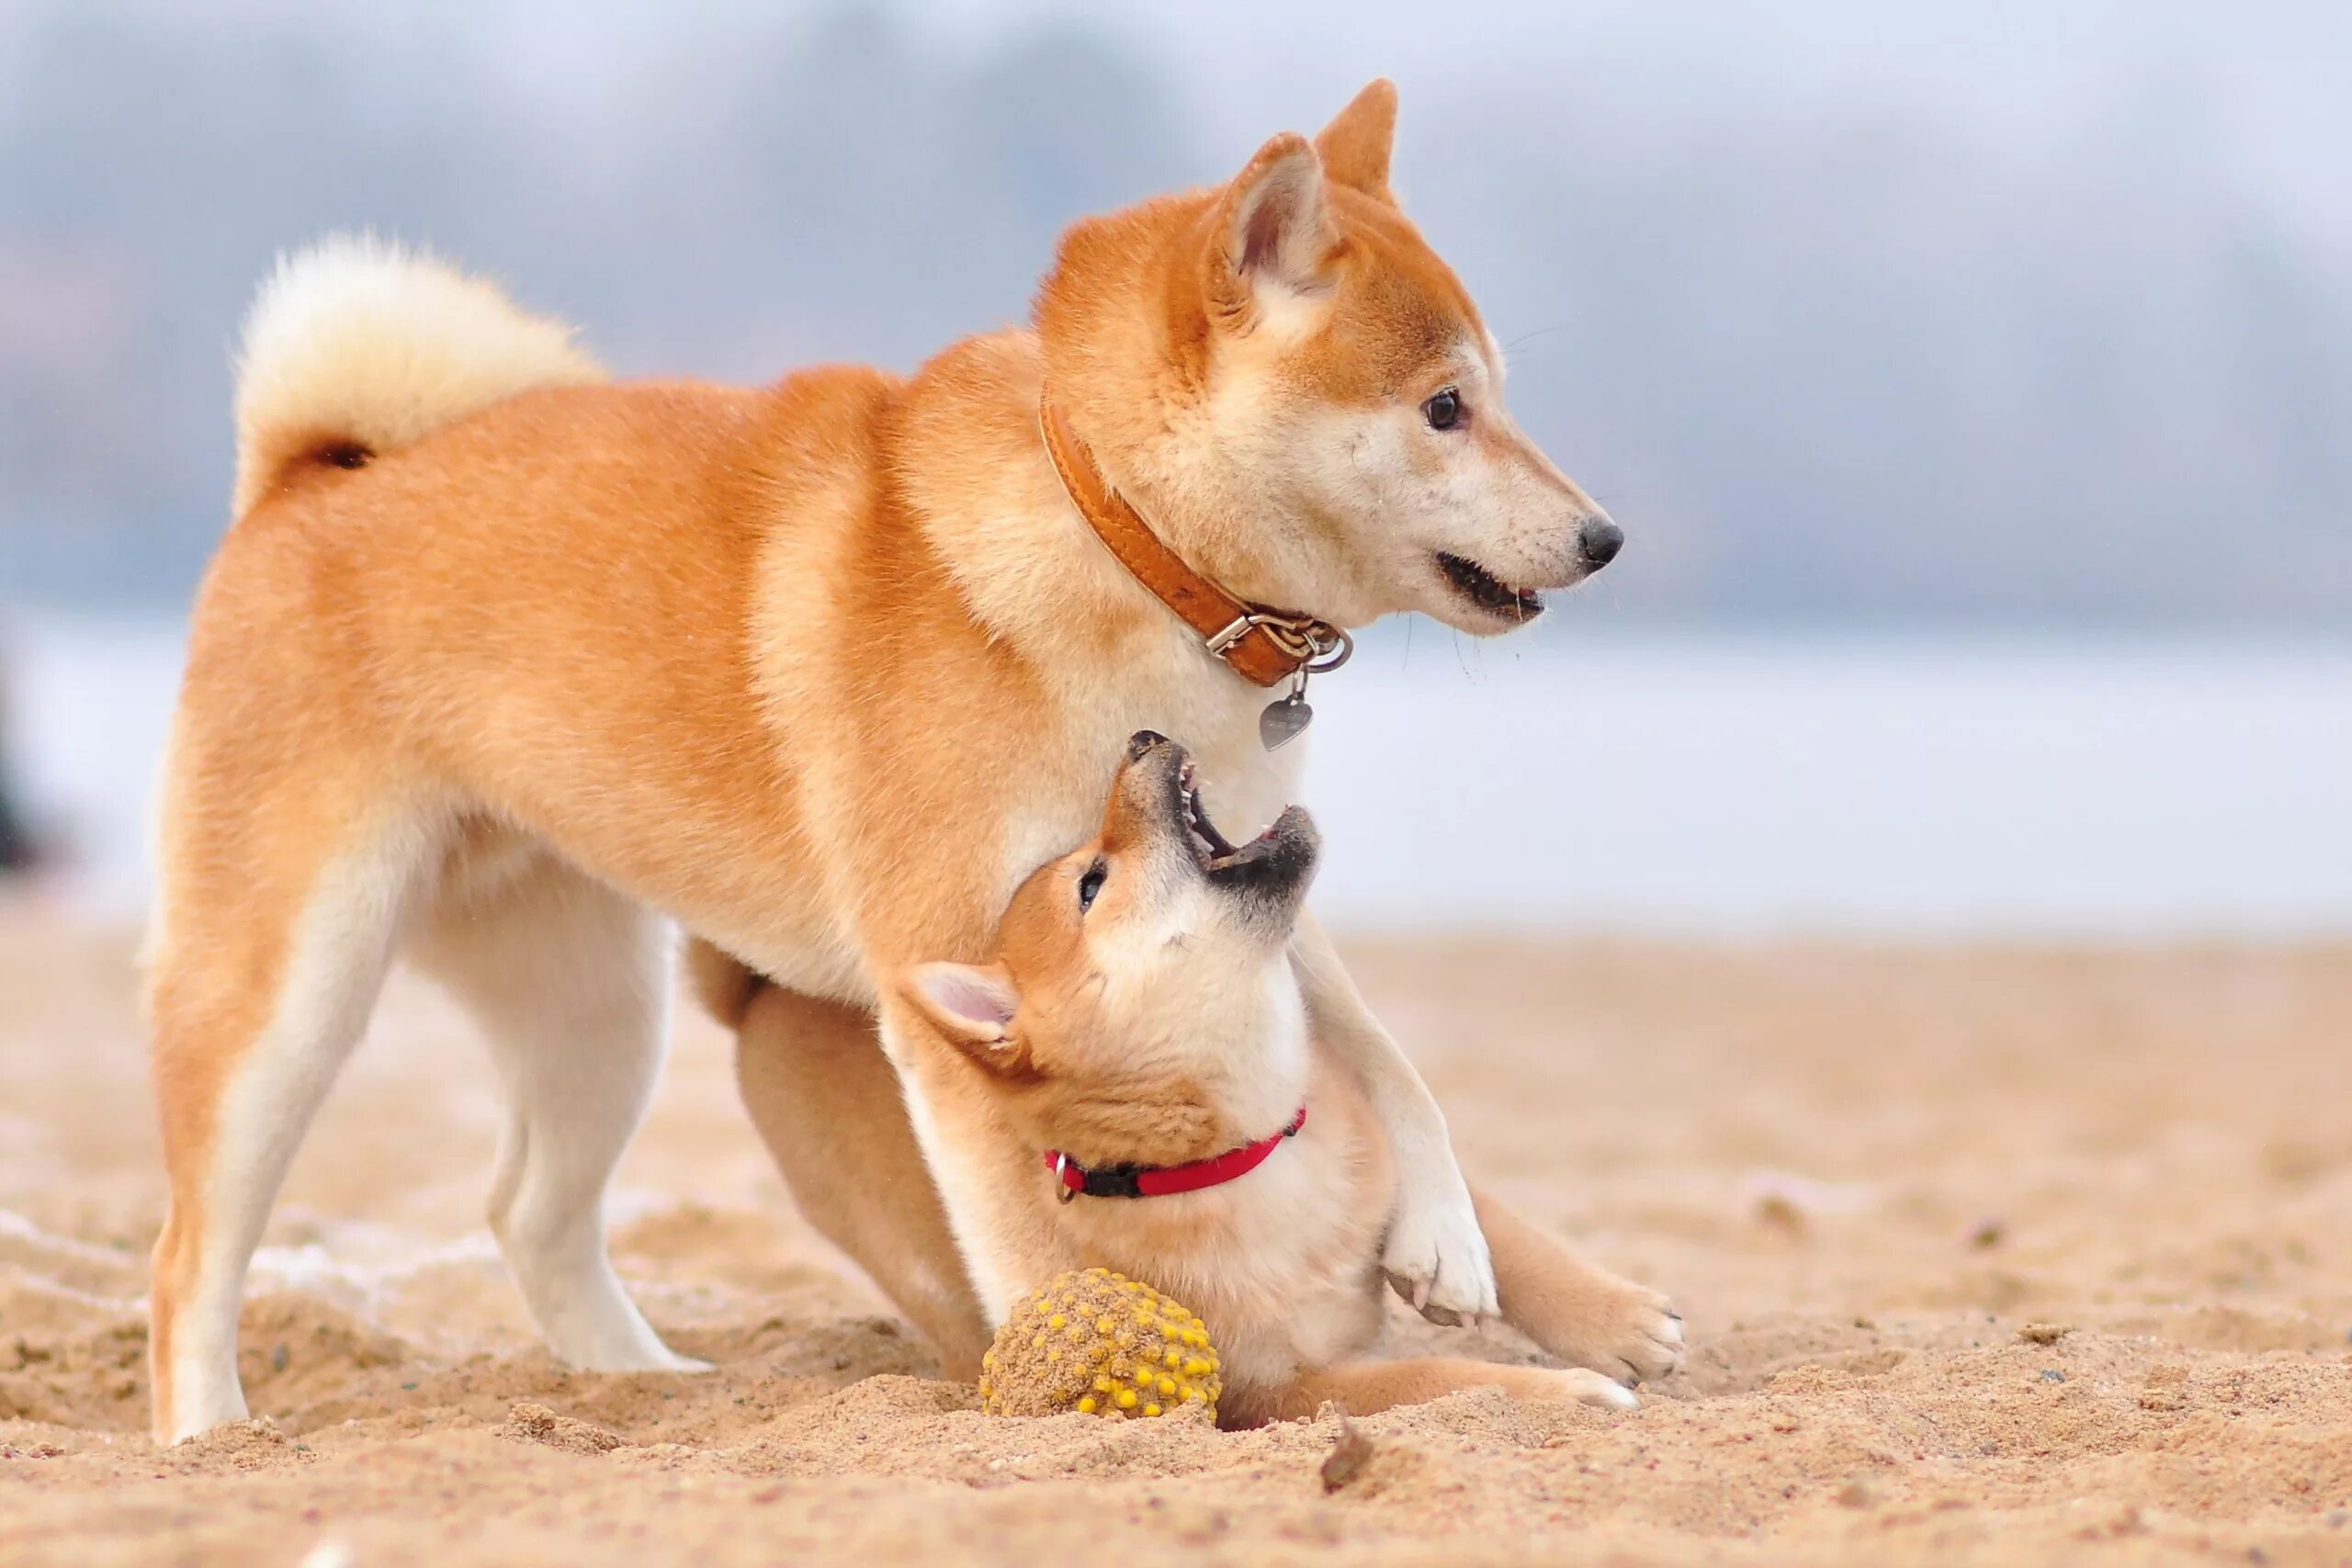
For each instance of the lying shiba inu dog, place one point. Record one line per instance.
(1134, 1082)
(500, 665)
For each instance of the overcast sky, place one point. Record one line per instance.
(2009, 309)
(2260, 86)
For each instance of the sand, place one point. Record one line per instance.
(1989, 1256)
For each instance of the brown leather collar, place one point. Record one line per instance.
(1267, 646)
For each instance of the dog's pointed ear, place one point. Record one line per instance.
(972, 1007)
(1356, 144)
(1272, 236)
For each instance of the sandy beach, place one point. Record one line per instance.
(1989, 1255)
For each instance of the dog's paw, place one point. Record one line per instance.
(650, 1356)
(1630, 1333)
(1574, 1385)
(657, 1357)
(1436, 1259)
(1646, 1335)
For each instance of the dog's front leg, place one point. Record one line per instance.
(1436, 1254)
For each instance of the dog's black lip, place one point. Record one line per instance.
(1486, 591)
(1222, 861)
(1275, 861)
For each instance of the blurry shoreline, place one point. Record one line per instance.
(1580, 780)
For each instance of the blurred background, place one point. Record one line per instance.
(1974, 382)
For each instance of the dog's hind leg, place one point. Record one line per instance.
(828, 1102)
(281, 896)
(569, 982)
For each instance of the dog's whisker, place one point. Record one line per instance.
(1540, 331)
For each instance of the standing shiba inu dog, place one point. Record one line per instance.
(500, 665)
(1141, 1030)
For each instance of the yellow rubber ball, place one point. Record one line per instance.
(1023, 1377)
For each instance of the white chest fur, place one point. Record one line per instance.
(1211, 712)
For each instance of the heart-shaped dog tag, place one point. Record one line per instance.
(1280, 723)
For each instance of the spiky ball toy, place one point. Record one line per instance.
(1100, 1344)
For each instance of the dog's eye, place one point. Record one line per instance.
(1444, 411)
(1090, 884)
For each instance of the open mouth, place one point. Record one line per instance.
(1486, 591)
(1285, 848)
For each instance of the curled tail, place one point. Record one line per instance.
(357, 347)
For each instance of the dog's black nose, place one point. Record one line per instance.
(1143, 742)
(1599, 542)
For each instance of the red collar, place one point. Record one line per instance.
(1157, 1180)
